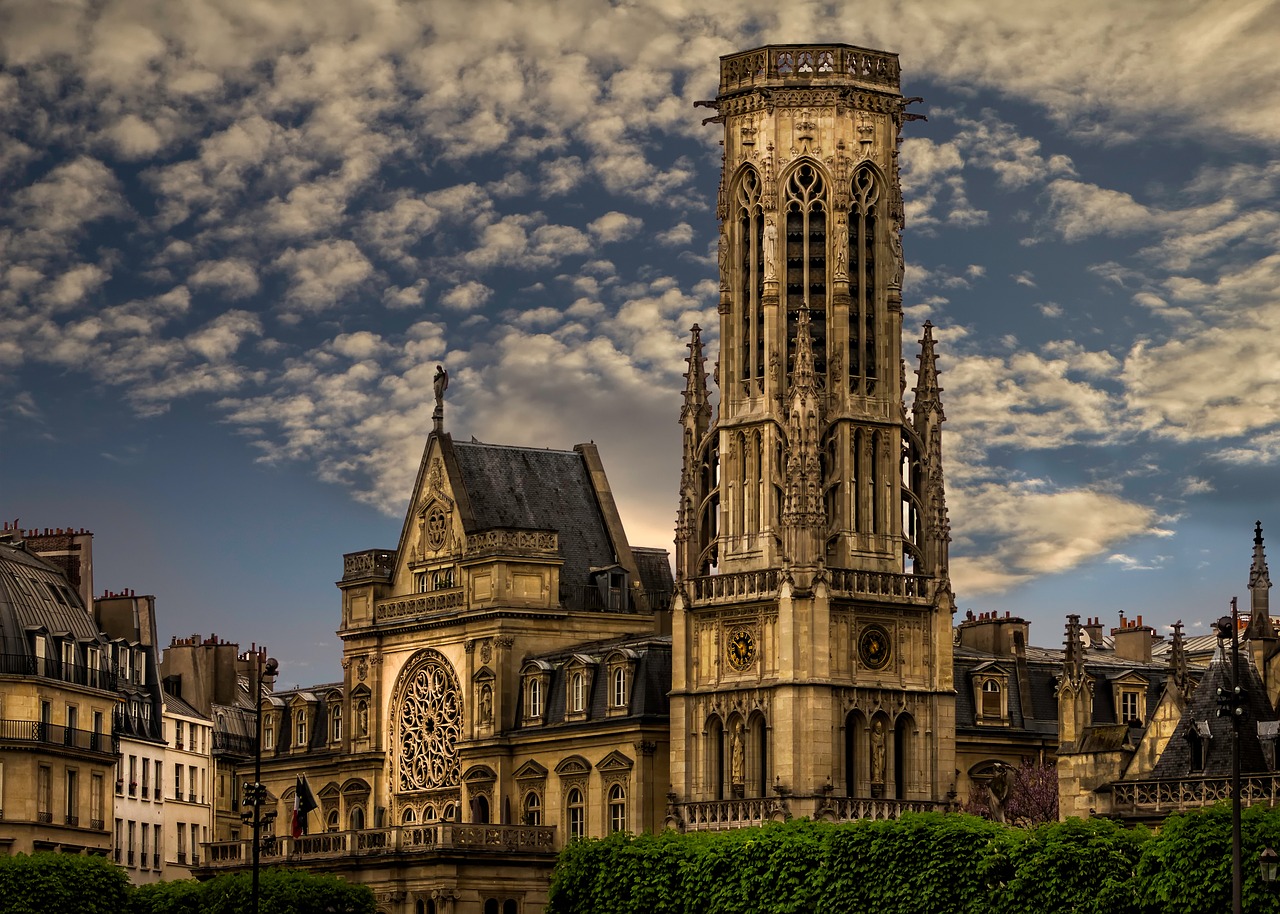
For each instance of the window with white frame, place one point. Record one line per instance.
(617, 808)
(619, 690)
(532, 808)
(335, 723)
(535, 697)
(578, 691)
(576, 811)
(300, 729)
(991, 699)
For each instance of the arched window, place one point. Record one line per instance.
(408, 817)
(331, 820)
(357, 818)
(491, 906)
(806, 262)
(577, 813)
(532, 808)
(749, 282)
(429, 814)
(620, 687)
(300, 729)
(863, 281)
(617, 809)
(578, 690)
(448, 813)
(535, 697)
(336, 723)
(991, 699)
(480, 809)
(268, 732)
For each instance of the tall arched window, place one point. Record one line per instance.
(356, 818)
(578, 690)
(617, 809)
(532, 808)
(749, 285)
(300, 729)
(577, 813)
(806, 262)
(620, 687)
(863, 281)
(336, 722)
(535, 697)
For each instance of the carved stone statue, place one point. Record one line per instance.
(877, 752)
(842, 248)
(724, 259)
(441, 384)
(737, 760)
(998, 791)
(770, 249)
(486, 704)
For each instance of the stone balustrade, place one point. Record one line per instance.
(779, 65)
(1139, 798)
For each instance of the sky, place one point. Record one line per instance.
(237, 237)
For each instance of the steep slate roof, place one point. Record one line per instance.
(537, 489)
(1175, 761)
(27, 601)
(649, 688)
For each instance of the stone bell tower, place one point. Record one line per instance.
(812, 631)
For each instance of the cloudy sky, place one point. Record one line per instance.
(237, 236)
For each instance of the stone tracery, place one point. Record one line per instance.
(429, 724)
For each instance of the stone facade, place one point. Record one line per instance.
(812, 619)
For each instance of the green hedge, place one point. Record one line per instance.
(923, 864)
(73, 884)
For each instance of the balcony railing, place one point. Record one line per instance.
(742, 585)
(779, 65)
(232, 744)
(717, 815)
(37, 731)
(51, 668)
(45, 817)
(880, 584)
(73, 820)
(372, 563)
(1163, 797)
(400, 839)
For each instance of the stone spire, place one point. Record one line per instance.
(1178, 663)
(695, 420)
(1074, 695)
(803, 517)
(927, 417)
(1259, 586)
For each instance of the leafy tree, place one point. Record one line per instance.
(280, 891)
(48, 883)
(1032, 798)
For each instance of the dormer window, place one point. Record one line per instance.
(578, 692)
(335, 723)
(300, 729)
(578, 672)
(1129, 692)
(535, 676)
(621, 665)
(991, 699)
(618, 690)
(268, 733)
(535, 698)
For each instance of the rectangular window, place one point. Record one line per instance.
(96, 800)
(146, 829)
(1129, 711)
(155, 847)
(195, 844)
(119, 838)
(44, 794)
(191, 783)
(73, 724)
(159, 778)
(95, 741)
(300, 741)
(133, 775)
(268, 734)
(146, 778)
(73, 796)
(182, 843)
(133, 846)
(177, 781)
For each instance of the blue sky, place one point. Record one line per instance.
(236, 237)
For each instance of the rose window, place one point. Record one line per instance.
(430, 724)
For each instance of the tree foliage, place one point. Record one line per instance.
(58, 883)
(922, 863)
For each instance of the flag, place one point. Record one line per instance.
(303, 802)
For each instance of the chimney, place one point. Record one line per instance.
(991, 633)
(1093, 628)
(1133, 640)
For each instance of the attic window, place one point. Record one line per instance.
(991, 698)
(1199, 737)
(1129, 711)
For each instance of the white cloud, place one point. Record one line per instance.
(324, 274)
(615, 226)
(466, 297)
(234, 277)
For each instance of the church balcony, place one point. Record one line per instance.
(420, 604)
(736, 586)
(881, 584)
(809, 65)
(720, 815)
(408, 840)
(377, 564)
(1141, 799)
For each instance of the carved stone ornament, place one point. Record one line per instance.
(486, 651)
(429, 724)
(362, 669)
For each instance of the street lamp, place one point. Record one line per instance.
(256, 793)
(1233, 703)
(1269, 863)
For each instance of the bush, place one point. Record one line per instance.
(62, 884)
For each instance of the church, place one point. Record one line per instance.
(518, 674)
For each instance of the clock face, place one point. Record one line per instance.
(874, 647)
(742, 649)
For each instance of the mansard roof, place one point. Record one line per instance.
(35, 594)
(537, 489)
(650, 683)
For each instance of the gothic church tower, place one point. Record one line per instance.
(812, 632)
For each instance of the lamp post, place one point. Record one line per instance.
(257, 791)
(1233, 703)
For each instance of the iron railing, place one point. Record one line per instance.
(38, 731)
